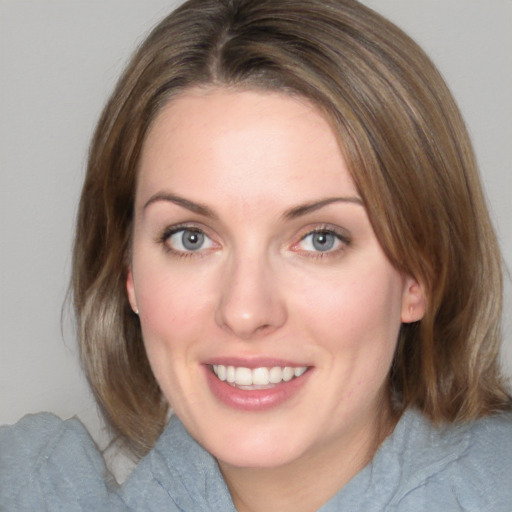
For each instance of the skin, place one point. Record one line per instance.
(259, 287)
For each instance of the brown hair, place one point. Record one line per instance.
(408, 152)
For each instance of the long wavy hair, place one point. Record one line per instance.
(409, 155)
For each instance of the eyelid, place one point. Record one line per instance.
(171, 230)
(341, 234)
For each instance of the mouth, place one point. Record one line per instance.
(257, 378)
(256, 385)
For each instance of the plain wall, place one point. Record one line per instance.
(59, 59)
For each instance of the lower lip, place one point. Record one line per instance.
(255, 399)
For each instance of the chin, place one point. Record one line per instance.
(257, 454)
(256, 447)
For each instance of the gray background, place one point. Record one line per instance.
(59, 60)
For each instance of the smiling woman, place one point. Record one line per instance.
(266, 277)
(283, 240)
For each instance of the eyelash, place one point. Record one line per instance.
(340, 236)
(168, 232)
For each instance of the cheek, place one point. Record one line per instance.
(355, 314)
(175, 311)
(170, 299)
(170, 308)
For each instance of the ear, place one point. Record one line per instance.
(414, 301)
(130, 290)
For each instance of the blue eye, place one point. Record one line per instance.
(188, 240)
(321, 241)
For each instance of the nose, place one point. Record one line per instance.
(250, 303)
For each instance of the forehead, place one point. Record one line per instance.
(251, 143)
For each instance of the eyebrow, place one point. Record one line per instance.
(304, 209)
(292, 213)
(180, 201)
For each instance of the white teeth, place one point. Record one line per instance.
(230, 374)
(220, 371)
(288, 373)
(243, 377)
(299, 371)
(262, 376)
(275, 375)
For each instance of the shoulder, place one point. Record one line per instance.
(490, 441)
(35, 431)
(45, 461)
(177, 474)
(34, 440)
(484, 470)
(464, 467)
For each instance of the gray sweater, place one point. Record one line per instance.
(47, 464)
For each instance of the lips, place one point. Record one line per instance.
(255, 386)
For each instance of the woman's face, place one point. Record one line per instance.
(269, 311)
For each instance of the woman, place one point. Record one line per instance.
(283, 238)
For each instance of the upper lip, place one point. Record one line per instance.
(257, 362)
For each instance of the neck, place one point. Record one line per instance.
(310, 481)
